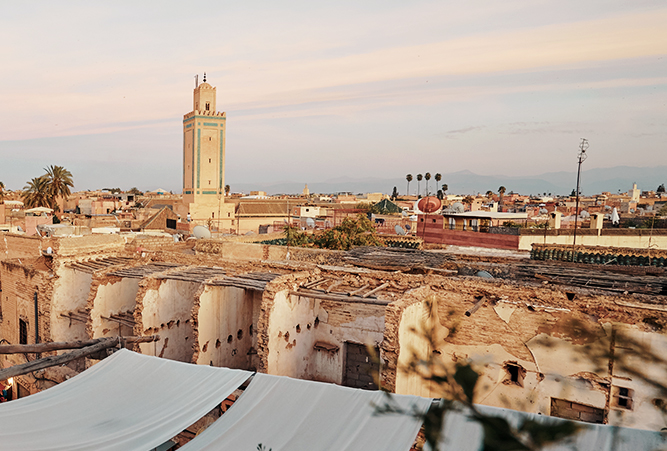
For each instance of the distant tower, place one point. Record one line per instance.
(306, 191)
(204, 132)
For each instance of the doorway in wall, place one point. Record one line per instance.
(361, 370)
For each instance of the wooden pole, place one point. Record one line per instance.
(475, 307)
(57, 346)
(46, 362)
(375, 290)
(355, 292)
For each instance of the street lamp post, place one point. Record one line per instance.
(582, 157)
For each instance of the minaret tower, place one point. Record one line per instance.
(204, 131)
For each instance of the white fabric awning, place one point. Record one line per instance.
(128, 401)
(460, 433)
(286, 414)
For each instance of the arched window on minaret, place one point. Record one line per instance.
(208, 106)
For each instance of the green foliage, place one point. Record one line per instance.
(43, 191)
(134, 190)
(59, 182)
(351, 232)
(661, 188)
(295, 237)
(513, 224)
(36, 193)
(663, 211)
(466, 377)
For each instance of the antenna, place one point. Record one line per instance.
(582, 157)
(196, 80)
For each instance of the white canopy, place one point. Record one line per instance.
(460, 433)
(286, 414)
(128, 401)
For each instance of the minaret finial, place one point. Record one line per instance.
(204, 77)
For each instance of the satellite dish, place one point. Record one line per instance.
(404, 214)
(584, 214)
(310, 222)
(457, 207)
(399, 230)
(201, 232)
(49, 250)
(407, 227)
(429, 204)
(415, 208)
(543, 211)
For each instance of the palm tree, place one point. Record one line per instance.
(427, 176)
(489, 194)
(227, 190)
(438, 177)
(501, 192)
(36, 193)
(59, 181)
(2, 191)
(409, 179)
(445, 187)
(419, 179)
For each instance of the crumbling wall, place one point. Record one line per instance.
(113, 295)
(87, 244)
(252, 251)
(531, 346)
(165, 307)
(307, 336)
(70, 294)
(150, 242)
(226, 325)
(14, 246)
(20, 282)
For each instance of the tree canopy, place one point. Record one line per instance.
(44, 191)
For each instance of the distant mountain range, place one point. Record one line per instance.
(466, 182)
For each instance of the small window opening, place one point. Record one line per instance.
(212, 215)
(229, 339)
(208, 106)
(239, 334)
(209, 160)
(516, 374)
(623, 397)
(23, 332)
